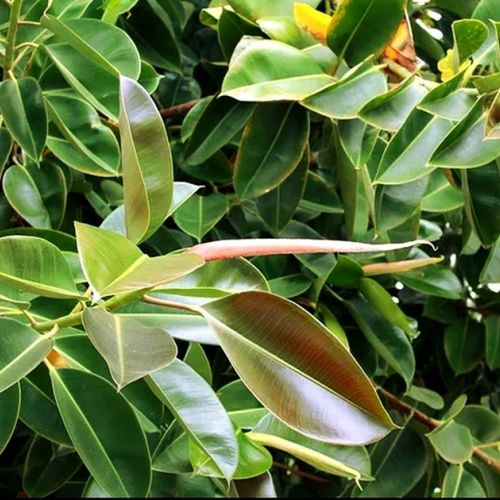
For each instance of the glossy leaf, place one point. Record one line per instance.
(296, 77)
(24, 114)
(47, 469)
(390, 110)
(22, 350)
(131, 350)
(221, 120)
(10, 403)
(261, 349)
(398, 462)
(464, 344)
(36, 266)
(147, 162)
(117, 456)
(255, 9)
(440, 196)
(199, 412)
(465, 145)
(278, 205)
(481, 187)
(407, 154)
(101, 43)
(346, 97)
(388, 340)
(267, 156)
(198, 215)
(113, 264)
(38, 407)
(453, 442)
(361, 27)
(459, 483)
(79, 139)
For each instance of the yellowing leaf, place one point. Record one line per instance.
(311, 20)
(448, 67)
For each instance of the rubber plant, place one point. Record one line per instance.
(313, 323)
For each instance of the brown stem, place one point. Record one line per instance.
(178, 110)
(229, 249)
(433, 424)
(297, 472)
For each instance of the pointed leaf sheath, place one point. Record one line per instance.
(285, 356)
(147, 162)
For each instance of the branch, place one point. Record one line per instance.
(229, 249)
(15, 11)
(433, 424)
(297, 472)
(179, 110)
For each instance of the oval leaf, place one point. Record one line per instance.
(259, 332)
(147, 162)
(131, 350)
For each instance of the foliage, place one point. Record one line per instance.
(207, 336)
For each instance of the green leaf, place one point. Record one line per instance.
(465, 145)
(423, 395)
(380, 299)
(113, 264)
(388, 340)
(117, 456)
(469, 35)
(258, 331)
(481, 188)
(47, 468)
(358, 140)
(101, 43)
(131, 350)
(285, 29)
(483, 423)
(491, 270)
(198, 215)
(199, 412)
(438, 280)
(407, 155)
(458, 483)
(347, 273)
(440, 196)
(38, 407)
(23, 111)
(114, 8)
(464, 344)
(219, 122)
(267, 156)
(5, 147)
(197, 359)
(96, 85)
(10, 403)
(23, 195)
(22, 350)
(147, 162)
(278, 205)
(398, 463)
(255, 9)
(363, 27)
(453, 442)
(296, 77)
(351, 462)
(37, 194)
(492, 324)
(151, 29)
(345, 98)
(37, 266)
(390, 110)
(78, 137)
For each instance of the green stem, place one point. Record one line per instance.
(15, 11)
